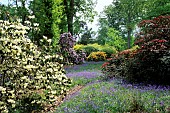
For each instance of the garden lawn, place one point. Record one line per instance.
(112, 96)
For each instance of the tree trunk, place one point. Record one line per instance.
(48, 25)
(129, 37)
(67, 13)
(129, 29)
(70, 13)
(16, 2)
(23, 14)
(71, 16)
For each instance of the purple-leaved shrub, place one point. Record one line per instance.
(150, 63)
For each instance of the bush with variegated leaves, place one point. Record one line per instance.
(30, 77)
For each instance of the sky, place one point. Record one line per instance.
(4, 1)
(99, 7)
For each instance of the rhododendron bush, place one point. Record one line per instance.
(30, 77)
(66, 43)
(116, 65)
(151, 62)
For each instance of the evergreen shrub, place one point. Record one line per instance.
(89, 48)
(78, 47)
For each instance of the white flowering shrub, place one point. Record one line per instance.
(34, 28)
(30, 77)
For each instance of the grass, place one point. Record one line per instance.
(88, 66)
(113, 96)
(84, 73)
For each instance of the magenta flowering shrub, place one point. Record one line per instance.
(66, 43)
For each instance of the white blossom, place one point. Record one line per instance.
(45, 37)
(2, 32)
(6, 22)
(25, 85)
(53, 92)
(12, 26)
(26, 28)
(24, 77)
(2, 89)
(49, 40)
(1, 103)
(19, 20)
(11, 101)
(27, 22)
(31, 17)
(35, 24)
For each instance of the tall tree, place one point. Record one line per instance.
(16, 9)
(114, 39)
(86, 36)
(125, 14)
(77, 11)
(57, 16)
(4, 13)
(22, 10)
(110, 36)
(48, 13)
(157, 8)
(69, 10)
(102, 30)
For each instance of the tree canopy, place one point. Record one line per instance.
(124, 14)
(53, 16)
(77, 11)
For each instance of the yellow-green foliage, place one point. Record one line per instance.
(134, 48)
(78, 47)
(26, 71)
(97, 56)
(99, 47)
(109, 50)
(89, 49)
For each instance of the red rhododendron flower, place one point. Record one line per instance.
(105, 64)
(109, 59)
(162, 41)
